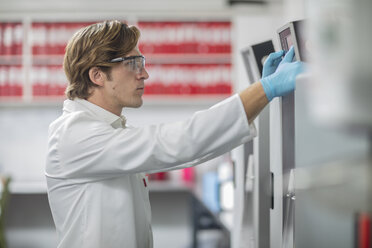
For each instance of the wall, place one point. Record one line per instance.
(23, 130)
(252, 28)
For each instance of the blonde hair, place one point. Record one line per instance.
(95, 45)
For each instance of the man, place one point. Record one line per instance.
(96, 164)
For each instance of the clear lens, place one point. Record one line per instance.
(136, 64)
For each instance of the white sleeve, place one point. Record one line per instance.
(90, 149)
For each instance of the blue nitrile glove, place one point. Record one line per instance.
(272, 63)
(283, 80)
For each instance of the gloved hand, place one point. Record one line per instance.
(283, 80)
(272, 63)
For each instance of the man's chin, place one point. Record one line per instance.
(137, 104)
(140, 103)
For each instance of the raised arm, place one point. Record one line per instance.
(254, 100)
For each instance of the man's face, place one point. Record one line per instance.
(126, 87)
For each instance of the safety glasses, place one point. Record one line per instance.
(134, 63)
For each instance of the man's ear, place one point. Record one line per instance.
(96, 75)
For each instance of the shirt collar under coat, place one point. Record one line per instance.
(81, 104)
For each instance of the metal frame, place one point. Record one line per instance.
(259, 200)
(288, 143)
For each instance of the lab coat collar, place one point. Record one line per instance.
(80, 104)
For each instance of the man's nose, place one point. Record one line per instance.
(144, 74)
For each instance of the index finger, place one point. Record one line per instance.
(276, 55)
(289, 56)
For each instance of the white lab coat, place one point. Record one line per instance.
(95, 168)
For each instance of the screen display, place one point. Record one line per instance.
(286, 40)
(261, 51)
(289, 41)
(294, 34)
